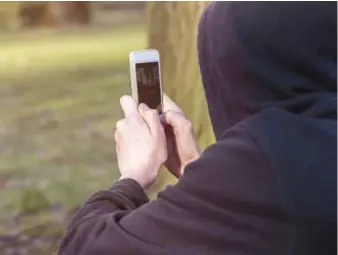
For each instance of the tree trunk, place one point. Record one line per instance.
(9, 15)
(173, 32)
(55, 13)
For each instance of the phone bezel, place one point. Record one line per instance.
(143, 56)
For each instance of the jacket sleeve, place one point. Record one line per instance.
(227, 202)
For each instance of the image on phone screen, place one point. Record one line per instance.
(148, 84)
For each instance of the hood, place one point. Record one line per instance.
(259, 55)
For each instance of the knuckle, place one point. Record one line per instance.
(152, 113)
(115, 135)
(133, 118)
(120, 124)
(169, 114)
(188, 124)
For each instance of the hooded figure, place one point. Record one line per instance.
(268, 186)
(270, 70)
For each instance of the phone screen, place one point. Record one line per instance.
(148, 85)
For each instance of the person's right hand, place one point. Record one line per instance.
(181, 139)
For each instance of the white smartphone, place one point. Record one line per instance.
(145, 77)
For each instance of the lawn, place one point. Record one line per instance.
(59, 94)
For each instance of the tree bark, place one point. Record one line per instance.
(173, 32)
(55, 13)
(9, 15)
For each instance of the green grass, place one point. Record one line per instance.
(59, 96)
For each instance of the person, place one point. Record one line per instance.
(268, 185)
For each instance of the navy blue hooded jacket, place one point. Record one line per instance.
(268, 186)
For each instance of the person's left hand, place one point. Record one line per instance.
(140, 142)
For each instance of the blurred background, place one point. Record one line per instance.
(63, 67)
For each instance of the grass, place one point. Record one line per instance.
(59, 94)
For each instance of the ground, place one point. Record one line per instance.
(59, 94)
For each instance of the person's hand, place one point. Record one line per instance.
(140, 142)
(182, 144)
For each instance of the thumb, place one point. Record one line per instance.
(152, 118)
(129, 106)
(176, 119)
(169, 105)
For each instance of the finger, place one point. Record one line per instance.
(117, 148)
(169, 105)
(116, 142)
(177, 120)
(115, 136)
(129, 106)
(152, 118)
(120, 124)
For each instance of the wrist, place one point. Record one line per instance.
(194, 157)
(123, 177)
(141, 181)
(131, 190)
